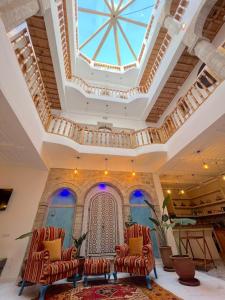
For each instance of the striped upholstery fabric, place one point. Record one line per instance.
(138, 265)
(38, 268)
(94, 266)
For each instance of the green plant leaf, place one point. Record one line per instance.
(156, 222)
(25, 235)
(150, 205)
(165, 218)
(166, 201)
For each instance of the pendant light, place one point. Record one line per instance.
(133, 173)
(106, 172)
(76, 169)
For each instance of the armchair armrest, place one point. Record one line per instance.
(41, 256)
(122, 250)
(69, 253)
(147, 250)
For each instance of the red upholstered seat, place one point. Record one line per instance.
(138, 265)
(39, 268)
(94, 266)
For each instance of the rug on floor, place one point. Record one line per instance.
(131, 288)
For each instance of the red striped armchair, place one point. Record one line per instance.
(140, 265)
(39, 269)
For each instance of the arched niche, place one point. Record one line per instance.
(140, 213)
(61, 212)
(103, 220)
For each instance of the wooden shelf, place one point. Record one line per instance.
(200, 216)
(203, 195)
(209, 204)
(200, 205)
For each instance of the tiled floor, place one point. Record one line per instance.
(211, 288)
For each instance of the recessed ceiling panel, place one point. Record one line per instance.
(113, 31)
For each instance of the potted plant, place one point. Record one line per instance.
(78, 243)
(161, 226)
(183, 264)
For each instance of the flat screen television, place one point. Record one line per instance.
(4, 198)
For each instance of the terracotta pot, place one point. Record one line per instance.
(166, 253)
(81, 260)
(185, 269)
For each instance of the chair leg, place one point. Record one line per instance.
(74, 280)
(115, 275)
(105, 276)
(22, 287)
(109, 275)
(43, 290)
(85, 281)
(148, 282)
(155, 273)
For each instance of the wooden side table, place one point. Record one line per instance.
(204, 248)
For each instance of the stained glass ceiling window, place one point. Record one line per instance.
(113, 31)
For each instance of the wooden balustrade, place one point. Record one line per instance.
(199, 91)
(27, 60)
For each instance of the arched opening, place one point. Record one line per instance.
(140, 214)
(102, 220)
(61, 212)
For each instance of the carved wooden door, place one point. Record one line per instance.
(102, 225)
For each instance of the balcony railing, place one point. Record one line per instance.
(197, 94)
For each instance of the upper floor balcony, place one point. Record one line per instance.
(197, 94)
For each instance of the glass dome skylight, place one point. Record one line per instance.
(113, 31)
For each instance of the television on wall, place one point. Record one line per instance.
(5, 195)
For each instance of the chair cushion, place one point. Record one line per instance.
(60, 267)
(135, 245)
(96, 266)
(55, 249)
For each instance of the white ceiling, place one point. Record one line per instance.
(77, 102)
(15, 146)
(186, 167)
(59, 156)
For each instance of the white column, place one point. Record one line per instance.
(160, 196)
(15, 12)
(208, 54)
(172, 25)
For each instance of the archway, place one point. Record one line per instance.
(61, 212)
(140, 214)
(102, 220)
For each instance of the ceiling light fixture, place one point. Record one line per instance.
(132, 167)
(182, 192)
(76, 169)
(204, 164)
(106, 172)
(223, 177)
(168, 192)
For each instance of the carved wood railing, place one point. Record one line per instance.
(24, 51)
(197, 94)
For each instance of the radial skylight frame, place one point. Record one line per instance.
(113, 24)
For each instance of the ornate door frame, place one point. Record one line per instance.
(89, 196)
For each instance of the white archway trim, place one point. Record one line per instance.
(93, 191)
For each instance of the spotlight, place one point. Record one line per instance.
(133, 173)
(76, 171)
(182, 192)
(223, 177)
(106, 172)
(205, 166)
(168, 192)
